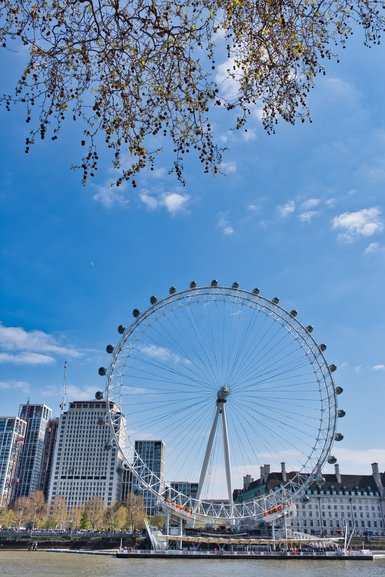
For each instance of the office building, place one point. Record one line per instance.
(12, 433)
(48, 453)
(31, 455)
(152, 455)
(87, 462)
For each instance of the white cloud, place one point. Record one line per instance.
(21, 347)
(228, 77)
(228, 86)
(362, 223)
(110, 196)
(158, 172)
(379, 367)
(12, 385)
(338, 89)
(310, 203)
(224, 225)
(375, 248)
(284, 210)
(253, 207)
(163, 354)
(26, 359)
(172, 202)
(248, 135)
(258, 113)
(229, 167)
(308, 215)
(355, 460)
(372, 247)
(149, 201)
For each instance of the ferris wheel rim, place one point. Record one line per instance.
(297, 485)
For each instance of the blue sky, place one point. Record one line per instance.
(300, 214)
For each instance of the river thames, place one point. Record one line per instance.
(42, 564)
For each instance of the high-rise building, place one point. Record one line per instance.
(87, 462)
(12, 433)
(29, 463)
(48, 453)
(152, 454)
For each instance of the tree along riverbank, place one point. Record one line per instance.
(90, 541)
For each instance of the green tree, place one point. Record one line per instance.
(58, 512)
(21, 509)
(134, 72)
(37, 509)
(8, 519)
(85, 520)
(95, 510)
(136, 512)
(115, 517)
(74, 518)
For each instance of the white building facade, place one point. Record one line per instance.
(355, 502)
(352, 501)
(86, 462)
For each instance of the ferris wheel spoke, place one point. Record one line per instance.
(269, 436)
(196, 363)
(245, 353)
(280, 357)
(178, 369)
(281, 372)
(281, 417)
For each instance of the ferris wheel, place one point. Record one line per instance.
(231, 386)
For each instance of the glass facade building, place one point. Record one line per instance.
(31, 456)
(12, 433)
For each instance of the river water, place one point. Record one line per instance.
(44, 564)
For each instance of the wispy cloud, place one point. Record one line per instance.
(12, 385)
(375, 248)
(338, 89)
(358, 224)
(163, 354)
(310, 203)
(285, 210)
(73, 392)
(249, 135)
(308, 215)
(21, 347)
(372, 247)
(24, 358)
(228, 86)
(229, 167)
(379, 367)
(224, 225)
(149, 201)
(110, 196)
(354, 460)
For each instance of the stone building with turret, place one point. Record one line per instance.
(330, 505)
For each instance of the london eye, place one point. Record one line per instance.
(229, 381)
